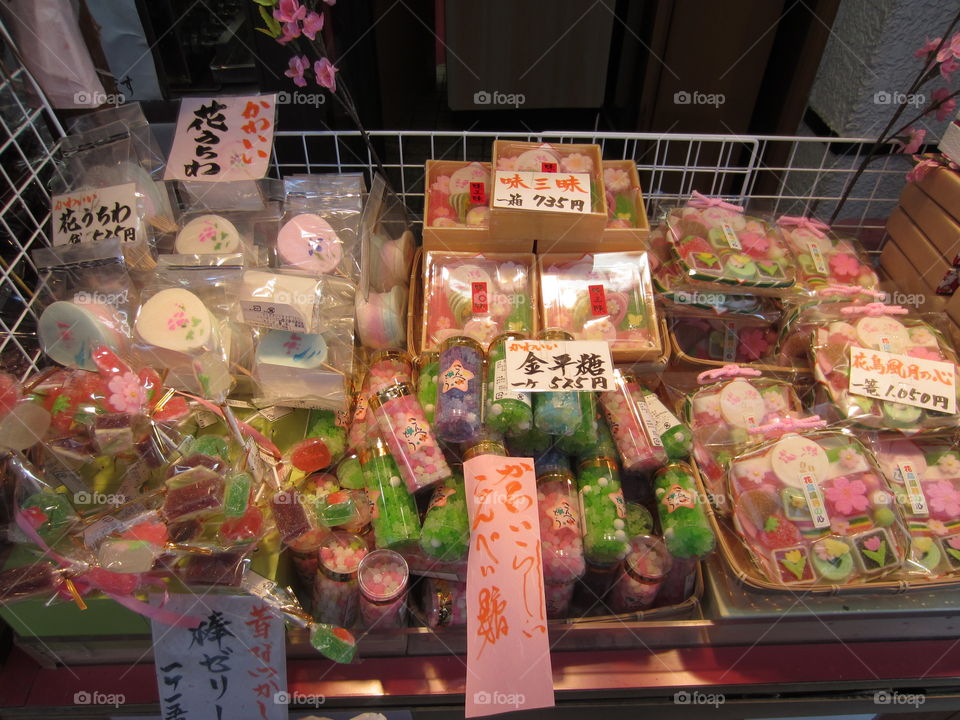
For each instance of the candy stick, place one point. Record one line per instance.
(685, 526)
(395, 519)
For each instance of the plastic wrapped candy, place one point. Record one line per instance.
(816, 509)
(676, 436)
(383, 576)
(335, 588)
(925, 478)
(631, 425)
(557, 599)
(584, 437)
(717, 244)
(428, 371)
(349, 472)
(556, 412)
(334, 642)
(603, 296)
(870, 328)
(407, 433)
(825, 259)
(395, 519)
(297, 527)
(530, 443)
(507, 411)
(446, 526)
(459, 390)
(602, 506)
(386, 368)
(729, 339)
(444, 603)
(686, 529)
(480, 296)
(457, 195)
(641, 576)
(324, 445)
(561, 540)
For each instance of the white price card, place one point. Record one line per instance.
(95, 214)
(928, 384)
(231, 664)
(545, 191)
(575, 365)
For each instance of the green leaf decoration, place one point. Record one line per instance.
(955, 554)
(878, 556)
(796, 568)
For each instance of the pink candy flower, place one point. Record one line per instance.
(326, 74)
(924, 353)
(127, 395)
(753, 343)
(298, 65)
(442, 184)
(943, 497)
(290, 11)
(844, 266)
(507, 163)
(914, 141)
(848, 497)
(872, 544)
(849, 458)
(576, 163)
(840, 527)
(937, 527)
(616, 180)
(312, 24)
(921, 169)
(948, 106)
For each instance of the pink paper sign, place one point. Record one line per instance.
(508, 650)
(222, 139)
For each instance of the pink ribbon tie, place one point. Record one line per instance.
(815, 226)
(701, 201)
(788, 425)
(875, 309)
(727, 371)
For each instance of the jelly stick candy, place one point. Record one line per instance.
(236, 497)
(459, 390)
(641, 576)
(383, 576)
(428, 370)
(408, 436)
(603, 511)
(559, 515)
(395, 520)
(686, 529)
(507, 411)
(639, 448)
(294, 524)
(335, 589)
(349, 473)
(334, 643)
(446, 525)
(584, 436)
(192, 493)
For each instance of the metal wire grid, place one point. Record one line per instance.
(29, 137)
(798, 175)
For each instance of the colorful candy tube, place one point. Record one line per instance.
(395, 519)
(641, 576)
(446, 525)
(383, 576)
(460, 389)
(639, 447)
(507, 411)
(686, 529)
(604, 512)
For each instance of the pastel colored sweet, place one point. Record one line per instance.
(175, 319)
(296, 292)
(207, 234)
(292, 350)
(741, 404)
(741, 266)
(308, 242)
(882, 333)
(478, 216)
(381, 318)
(482, 329)
(795, 456)
(534, 159)
(473, 173)
(462, 277)
(69, 332)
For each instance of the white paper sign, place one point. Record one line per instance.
(547, 191)
(542, 365)
(915, 496)
(929, 384)
(221, 139)
(815, 504)
(97, 214)
(263, 313)
(232, 665)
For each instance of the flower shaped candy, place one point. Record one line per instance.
(944, 498)
(844, 267)
(616, 180)
(848, 497)
(576, 163)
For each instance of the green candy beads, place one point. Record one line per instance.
(677, 438)
(395, 520)
(507, 411)
(428, 370)
(350, 474)
(639, 520)
(324, 425)
(584, 437)
(446, 527)
(529, 443)
(603, 511)
(686, 529)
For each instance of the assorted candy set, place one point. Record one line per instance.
(258, 387)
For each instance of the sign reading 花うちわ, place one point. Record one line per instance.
(95, 214)
(541, 365)
(546, 191)
(928, 384)
(220, 139)
(508, 649)
(232, 664)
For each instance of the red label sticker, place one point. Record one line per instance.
(478, 193)
(479, 292)
(598, 300)
(548, 167)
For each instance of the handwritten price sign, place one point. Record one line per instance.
(508, 650)
(547, 191)
(98, 214)
(542, 365)
(928, 384)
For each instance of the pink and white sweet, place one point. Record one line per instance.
(460, 198)
(825, 259)
(206, 235)
(309, 243)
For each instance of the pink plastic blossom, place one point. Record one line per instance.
(291, 31)
(943, 497)
(848, 497)
(928, 47)
(326, 74)
(921, 170)
(298, 65)
(290, 11)
(127, 395)
(947, 107)
(312, 24)
(753, 343)
(948, 68)
(914, 142)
